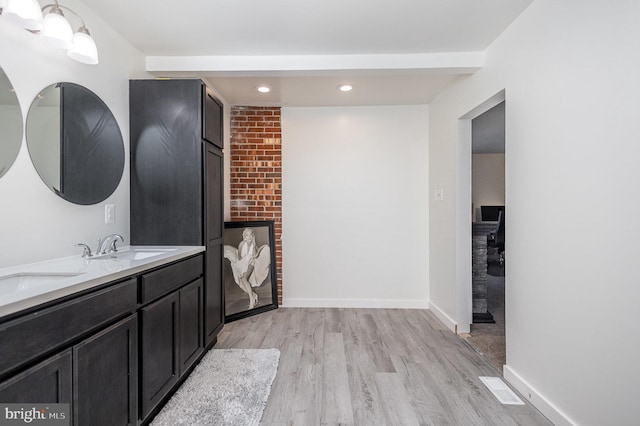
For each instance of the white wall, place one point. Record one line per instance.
(573, 198)
(35, 224)
(487, 181)
(355, 206)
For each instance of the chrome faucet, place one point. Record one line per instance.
(86, 252)
(108, 244)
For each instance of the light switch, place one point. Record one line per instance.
(109, 213)
(439, 194)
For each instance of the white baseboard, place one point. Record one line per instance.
(442, 316)
(355, 303)
(552, 412)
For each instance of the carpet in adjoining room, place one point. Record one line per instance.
(229, 387)
(489, 339)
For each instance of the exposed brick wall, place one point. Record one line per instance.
(256, 170)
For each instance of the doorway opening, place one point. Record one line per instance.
(488, 217)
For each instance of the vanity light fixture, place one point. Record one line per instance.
(263, 89)
(54, 28)
(345, 87)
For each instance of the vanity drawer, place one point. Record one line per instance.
(28, 337)
(162, 281)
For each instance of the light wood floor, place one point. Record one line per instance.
(372, 367)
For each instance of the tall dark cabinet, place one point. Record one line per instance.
(177, 177)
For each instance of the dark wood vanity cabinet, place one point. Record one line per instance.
(114, 354)
(97, 377)
(82, 351)
(177, 177)
(171, 329)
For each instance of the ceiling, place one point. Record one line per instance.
(391, 51)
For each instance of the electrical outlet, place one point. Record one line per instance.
(109, 213)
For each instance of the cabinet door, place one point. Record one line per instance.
(49, 382)
(213, 291)
(191, 305)
(166, 162)
(212, 119)
(105, 373)
(214, 308)
(214, 187)
(158, 350)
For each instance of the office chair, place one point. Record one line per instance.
(496, 239)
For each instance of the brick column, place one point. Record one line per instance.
(256, 171)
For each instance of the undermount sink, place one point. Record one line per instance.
(28, 280)
(29, 285)
(133, 254)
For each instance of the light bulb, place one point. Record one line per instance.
(56, 30)
(84, 48)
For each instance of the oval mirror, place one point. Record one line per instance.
(75, 143)
(10, 123)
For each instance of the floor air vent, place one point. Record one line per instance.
(501, 391)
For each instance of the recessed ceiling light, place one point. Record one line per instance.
(345, 87)
(263, 89)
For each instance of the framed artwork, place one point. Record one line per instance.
(250, 285)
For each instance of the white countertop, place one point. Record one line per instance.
(26, 286)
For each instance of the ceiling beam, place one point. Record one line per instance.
(308, 65)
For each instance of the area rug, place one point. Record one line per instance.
(229, 387)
